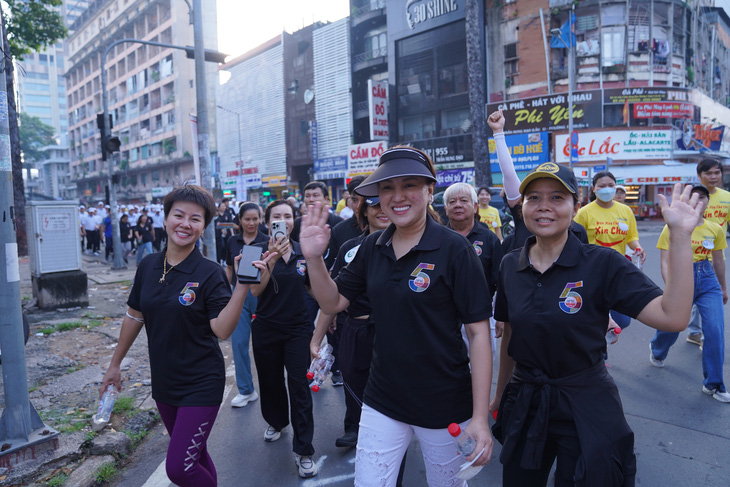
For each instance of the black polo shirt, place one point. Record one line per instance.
(489, 250)
(559, 318)
(361, 305)
(185, 359)
(234, 244)
(420, 370)
(286, 307)
(341, 233)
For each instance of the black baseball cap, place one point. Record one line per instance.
(699, 188)
(372, 201)
(396, 163)
(555, 171)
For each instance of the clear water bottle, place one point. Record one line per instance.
(320, 367)
(464, 442)
(636, 260)
(103, 414)
(612, 335)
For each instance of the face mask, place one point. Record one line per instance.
(606, 194)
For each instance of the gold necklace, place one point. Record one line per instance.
(165, 270)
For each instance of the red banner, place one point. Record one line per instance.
(663, 110)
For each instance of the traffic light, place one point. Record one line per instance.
(108, 143)
(210, 56)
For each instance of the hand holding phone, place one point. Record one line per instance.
(247, 273)
(278, 230)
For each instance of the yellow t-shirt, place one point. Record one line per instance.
(340, 205)
(718, 209)
(707, 237)
(613, 227)
(490, 217)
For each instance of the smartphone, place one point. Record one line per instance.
(247, 273)
(278, 230)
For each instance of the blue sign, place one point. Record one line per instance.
(599, 168)
(528, 151)
(451, 176)
(338, 163)
(314, 139)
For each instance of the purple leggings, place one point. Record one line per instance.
(188, 462)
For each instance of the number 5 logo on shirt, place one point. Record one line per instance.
(187, 295)
(573, 300)
(420, 281)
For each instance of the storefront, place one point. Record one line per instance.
(333, 172)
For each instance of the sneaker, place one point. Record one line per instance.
(242, 400)
(695, 339)
(716, 394)
(307, 467)
(271, 434)
(655, 361)
(337, 379)
(349, 439)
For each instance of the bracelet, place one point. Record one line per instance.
(138, 320)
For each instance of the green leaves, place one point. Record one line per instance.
(33, 25)
(34, 135)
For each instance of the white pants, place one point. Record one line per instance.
(383, 441)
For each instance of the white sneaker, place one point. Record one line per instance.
(655, 361)
(271, 434)
(242, 400)
(307, 467)
(716, 394)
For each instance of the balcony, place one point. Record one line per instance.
(370, 59)
(369, 14)
(361, 110)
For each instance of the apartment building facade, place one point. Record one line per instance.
(151, 93)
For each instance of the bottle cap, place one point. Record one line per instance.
(617, 330)
(315, 388)
(454, 430)
(494, 415)
(310, 375)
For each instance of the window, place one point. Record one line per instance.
(613, 46)
(155, 176)
(143, 178)
(42, 59)
(36, 87)
(38, 98)
(511, 68)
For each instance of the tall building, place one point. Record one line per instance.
(151, 92)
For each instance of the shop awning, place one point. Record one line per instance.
(656, 174)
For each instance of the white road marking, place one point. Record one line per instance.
(318, 481)
(231, 370)
(158, 478)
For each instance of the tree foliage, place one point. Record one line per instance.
(34, 134)
(32, 25)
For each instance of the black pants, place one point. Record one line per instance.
(276, 348)
(356, 353)
(93, 242)
(109, 244)
(562, 444)
(160, 238)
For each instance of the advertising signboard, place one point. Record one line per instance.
(621, 145)
(378, 108)
(700, 137)
(550, 112)
(362, 159)
(452, 149)
(330, 167)
(528, 151)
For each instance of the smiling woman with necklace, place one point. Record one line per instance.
(186, 304)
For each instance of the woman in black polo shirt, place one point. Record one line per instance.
(280, 335)
(423, 281)
(186, 304)
(554, 295)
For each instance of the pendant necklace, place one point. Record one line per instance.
(165, 270)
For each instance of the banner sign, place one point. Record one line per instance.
(528, 151)
(451, 176)
(621, 145)
(447, 150)
(330, 168)
(648, 95)
(273, 181)
(664, 109)
(378, 109)
(550, 112)
(362, 159)
(314, 139)
(700, 137)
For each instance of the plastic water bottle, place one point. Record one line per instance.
(103, 414)
(464, 442)
(636, 260)
(320, 367)
(612, 335)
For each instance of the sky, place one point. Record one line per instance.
(245, 24)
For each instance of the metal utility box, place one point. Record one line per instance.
(54, 242)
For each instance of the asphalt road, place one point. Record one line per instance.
(682, 435)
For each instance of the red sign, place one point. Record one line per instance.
(663, 110)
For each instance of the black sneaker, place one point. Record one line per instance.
(337, 379)
(349, 439)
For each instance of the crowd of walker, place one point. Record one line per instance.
(391, 273)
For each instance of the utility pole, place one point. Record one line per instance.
(202, 109)
(20, 424)
(477, 107)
